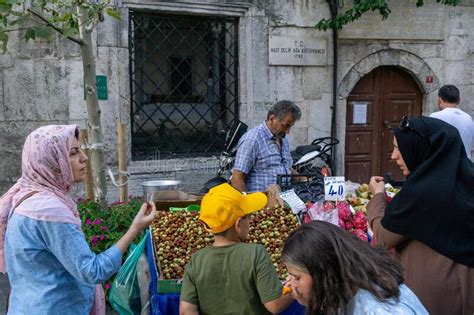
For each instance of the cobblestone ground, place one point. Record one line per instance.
(3, 296)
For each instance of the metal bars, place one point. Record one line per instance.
(183, 83)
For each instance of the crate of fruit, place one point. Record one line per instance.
(179, 234)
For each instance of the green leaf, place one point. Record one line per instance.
(3, 40)
(70, 31)
(20, 21)
(30, 34)
(113, 13)
(44, 32)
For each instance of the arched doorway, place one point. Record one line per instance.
(381, 97)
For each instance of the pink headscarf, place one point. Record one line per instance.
(46, 169)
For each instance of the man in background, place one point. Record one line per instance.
(448, 101)
(264, 152)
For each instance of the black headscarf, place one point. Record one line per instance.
(436, 203)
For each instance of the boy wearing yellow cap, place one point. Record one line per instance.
(231, 277)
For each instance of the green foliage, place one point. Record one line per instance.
(360, 7)
(104, 227)
(41, 18)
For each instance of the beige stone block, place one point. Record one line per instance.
(258, 57)
(298, 136)
(389, 57)
(112, 32)
(367, 64)
(461, 20)
(457, 47)
(303, 13)
(75, 91)
(319, 117)
(459, 72)
(410, 62)
(316, 80)
(20, 106)
(427, 49)
(284, 84)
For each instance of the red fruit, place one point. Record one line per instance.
(360, 234)
(328, 206)
(360, 221)
(344, 211)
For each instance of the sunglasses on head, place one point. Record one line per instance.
(406, 126)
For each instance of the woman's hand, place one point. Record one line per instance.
(144, 217)
(376, 185)
(142, 220)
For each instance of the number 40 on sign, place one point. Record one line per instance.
(334, 188)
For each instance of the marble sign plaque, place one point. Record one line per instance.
(296, 51)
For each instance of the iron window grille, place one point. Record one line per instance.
(183, 83)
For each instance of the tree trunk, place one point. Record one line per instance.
(96, 146)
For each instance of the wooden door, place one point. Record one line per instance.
(383, 96)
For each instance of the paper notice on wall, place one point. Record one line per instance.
(291, 198)
(359, 116)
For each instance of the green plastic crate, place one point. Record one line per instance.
(169, 286)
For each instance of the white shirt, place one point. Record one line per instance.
(462, 121)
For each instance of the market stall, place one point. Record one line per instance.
(177, 233)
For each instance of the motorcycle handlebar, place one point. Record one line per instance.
(325, 143)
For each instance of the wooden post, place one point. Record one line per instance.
(88, 183)
(122, 161)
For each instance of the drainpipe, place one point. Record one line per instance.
(333, 4)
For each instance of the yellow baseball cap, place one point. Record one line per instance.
(223, 205)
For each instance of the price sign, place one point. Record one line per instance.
(291, 198)
(334, 188)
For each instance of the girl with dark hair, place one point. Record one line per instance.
(430, 223)
(333, 272)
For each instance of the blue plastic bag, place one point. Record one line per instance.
(124, 294)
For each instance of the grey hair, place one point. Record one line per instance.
(281, 108)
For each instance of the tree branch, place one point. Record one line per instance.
(57, 29)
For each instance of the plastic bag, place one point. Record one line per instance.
(318, 212)
(124, 295)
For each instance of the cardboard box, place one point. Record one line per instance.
(174, 198)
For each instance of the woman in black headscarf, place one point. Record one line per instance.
(430, 223)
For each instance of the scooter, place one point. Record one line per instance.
(227, 156)
(314, 158)
(313, 163)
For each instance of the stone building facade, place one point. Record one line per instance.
(41, 83)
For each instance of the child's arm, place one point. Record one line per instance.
(186, 308)
(280, 304)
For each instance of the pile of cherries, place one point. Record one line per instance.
(177, 235)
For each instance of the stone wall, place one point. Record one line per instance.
(443, 49)
(41, 83)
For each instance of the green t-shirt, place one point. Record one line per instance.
(231, 279)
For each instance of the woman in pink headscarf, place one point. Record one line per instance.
(49, 263)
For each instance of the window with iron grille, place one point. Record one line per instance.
(184, 83)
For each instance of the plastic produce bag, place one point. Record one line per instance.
(124, 295)
(318, 212)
